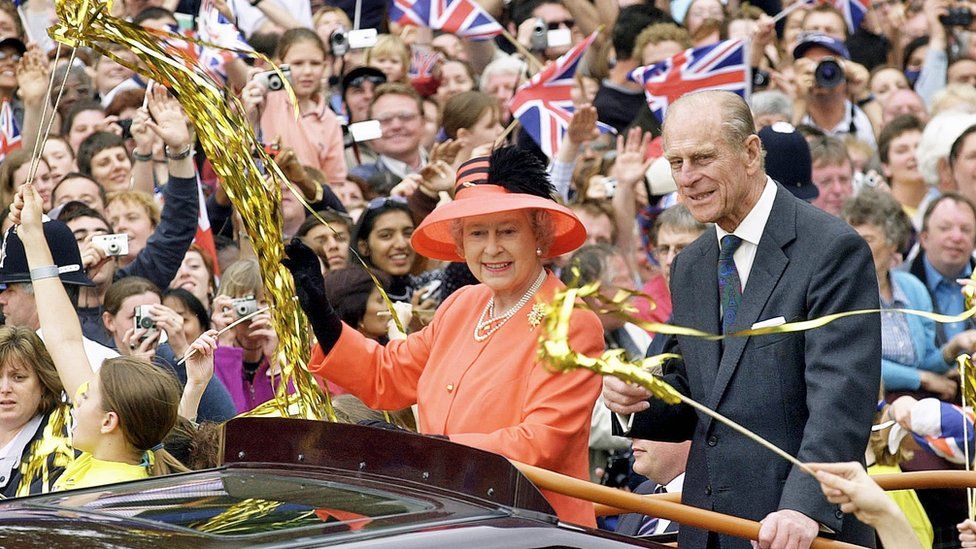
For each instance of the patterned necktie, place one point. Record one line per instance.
(729, 284)
(649, 524)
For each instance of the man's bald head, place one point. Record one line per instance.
(733, 111)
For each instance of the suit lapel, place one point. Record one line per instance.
(766, 271)
(702, 294)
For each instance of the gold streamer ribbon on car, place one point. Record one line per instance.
(223, 131)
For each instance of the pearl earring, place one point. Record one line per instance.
(538, 252)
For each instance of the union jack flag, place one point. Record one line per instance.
(544, 104)
(718, 66)
(213, 27)
(10, 139)
(422, 63)
(461, 17)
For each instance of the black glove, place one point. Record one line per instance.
(310, 289)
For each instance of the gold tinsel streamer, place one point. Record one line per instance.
(225, 135)
(53, 442)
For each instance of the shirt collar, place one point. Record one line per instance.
(899, 299)
(933, 277)
(752, 226)
(674, 486)
(399, 168)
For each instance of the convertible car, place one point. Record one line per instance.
(295, 483)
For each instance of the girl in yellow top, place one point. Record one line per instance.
(123, 411)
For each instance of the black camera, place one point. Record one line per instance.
(540, 38)
(957, 17)
(829, 73)
(339, 42)
(126, 125)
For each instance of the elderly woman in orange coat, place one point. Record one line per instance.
(473, 371)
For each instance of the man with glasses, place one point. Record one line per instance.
(398, 109)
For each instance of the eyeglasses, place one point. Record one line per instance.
(360, 80)
(384, 201)
(404, 117)
(11, 56)
(569, 23)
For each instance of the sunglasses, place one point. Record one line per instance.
(360, 80)
(384, 201)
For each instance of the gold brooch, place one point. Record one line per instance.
(536, 315)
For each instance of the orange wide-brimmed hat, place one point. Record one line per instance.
(473, 196)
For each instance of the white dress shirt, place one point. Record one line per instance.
(750, 230)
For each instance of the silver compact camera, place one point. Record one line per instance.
(116, 245)
(244, 306)
(142, 318)
(272, 80)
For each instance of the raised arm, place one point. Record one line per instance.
(199, 371)
(57, 315)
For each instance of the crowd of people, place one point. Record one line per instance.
(845, 180)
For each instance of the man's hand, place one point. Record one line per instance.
(630, 167)
(168, 120)
(33, 72)
(786, 529)
(446, 151)
(582, 126)
(857, 80)
(623, 398)
(436, 177)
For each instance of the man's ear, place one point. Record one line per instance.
(752, 148)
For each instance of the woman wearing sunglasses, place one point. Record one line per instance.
(474, 371)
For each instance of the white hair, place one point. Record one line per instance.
(937, 139)
(771, 102)
(503, 65)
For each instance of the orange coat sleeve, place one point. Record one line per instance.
(383, 377)
(556, 410)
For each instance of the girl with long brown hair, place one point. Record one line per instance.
(124, 410)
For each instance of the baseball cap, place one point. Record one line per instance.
(788, 159)
(64, 250)
(355, 76)
(812, 39)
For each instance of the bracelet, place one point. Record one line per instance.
(141, 157)
(40, 273)
(185, 153)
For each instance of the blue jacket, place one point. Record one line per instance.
(900, 377)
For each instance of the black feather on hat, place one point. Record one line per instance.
(519, 171)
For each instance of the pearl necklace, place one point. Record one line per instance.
(486, 327)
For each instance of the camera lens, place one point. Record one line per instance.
(112, 248)
(146, 322)
(828, 74)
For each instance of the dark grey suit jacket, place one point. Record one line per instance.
(812, 393)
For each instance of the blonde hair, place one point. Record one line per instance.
(137, 198)
(241, 279)
(954, 97)
(388, 45)
(325, 10)
(660, 32)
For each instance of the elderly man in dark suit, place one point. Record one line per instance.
(772, 259)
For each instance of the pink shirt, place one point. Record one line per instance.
(316, 137)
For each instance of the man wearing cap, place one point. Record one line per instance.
(358, 87)
(788, 159)
(17, 296)
(823, 69)
(771, 259)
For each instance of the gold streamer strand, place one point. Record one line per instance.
(53, 442)
(223, 132)
(966, 379)
(554, 351)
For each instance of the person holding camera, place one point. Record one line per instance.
(317, 136)
(243, 359)
(142, 327)
(825, 78)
